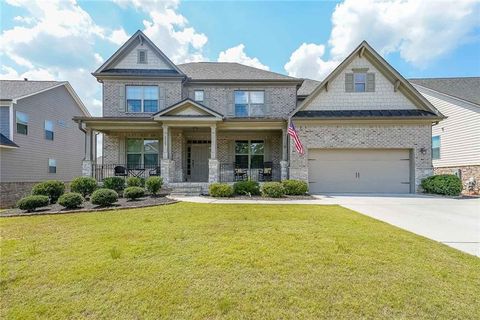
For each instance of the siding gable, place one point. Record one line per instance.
(380, 93)
(130, 58)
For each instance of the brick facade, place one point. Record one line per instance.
(348, 136)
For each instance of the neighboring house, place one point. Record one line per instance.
(365, 128)
(456, 140)
(39, 139)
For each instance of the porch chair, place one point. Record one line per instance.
(155, 172)
(239, 174)
(120, 171)
(266, 172)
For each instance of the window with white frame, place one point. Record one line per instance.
(249, 103)
(22, 122)
(142, 153)
(52, 166)
(436, 147)
(142, 98)
(199, 95)
(49, 129)
(360, 81)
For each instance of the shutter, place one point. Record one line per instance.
(349, 82)
(370, 82)
(266, 100)
(121, 98)
(230, 102)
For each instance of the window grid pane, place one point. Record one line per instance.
(150, 105)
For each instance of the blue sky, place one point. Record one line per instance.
(66, 40)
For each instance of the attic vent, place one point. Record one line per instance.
(142, 56)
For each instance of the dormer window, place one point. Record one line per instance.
(199, 95)
(142, 56)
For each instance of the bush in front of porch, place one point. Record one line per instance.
(249, 188)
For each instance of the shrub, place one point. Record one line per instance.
(53, 189)
(447, 184)
(104, 197)
(295, 187)
(30, 203)
(114, 183)
(83, 185)
(154, 184)
(133, 193)
(250, 188)
(273, 190)
(135, 182)
(70, 200)
(220, 190)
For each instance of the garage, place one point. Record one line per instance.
(359, 170)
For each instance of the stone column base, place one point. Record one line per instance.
(283, 170)
(167, 170)
(213, 170)
(87, 168)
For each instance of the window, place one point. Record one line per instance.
(142, 153)
(142, 56)
(52, 166)
(48, 130)
(22, 122)
(199, 95)
(249, 103)
(142, 98)
(436, 147)
(360, 81)
(249, 154)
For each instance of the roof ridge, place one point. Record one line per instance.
(445, 78)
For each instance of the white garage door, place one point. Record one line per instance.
(359, 170)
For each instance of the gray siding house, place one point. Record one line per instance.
(456, 140)
(39, 139)
(364, 128)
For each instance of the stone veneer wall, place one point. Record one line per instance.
(11, 192)
(466, 173)
(351, 136)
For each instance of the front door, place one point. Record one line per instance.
(199, 162)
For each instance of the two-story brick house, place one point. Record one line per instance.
(198, 123)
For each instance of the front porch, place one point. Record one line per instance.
(199, 152)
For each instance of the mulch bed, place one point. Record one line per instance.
(305, 197)
(87, 206)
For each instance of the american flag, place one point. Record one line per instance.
(293, 133)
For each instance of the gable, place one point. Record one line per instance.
(384, 96)
(187, 110)
(130, 58)
(386, 88)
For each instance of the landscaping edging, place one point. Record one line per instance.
(85, 210)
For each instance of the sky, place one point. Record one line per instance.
(68, 39)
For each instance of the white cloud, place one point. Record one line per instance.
(58, 44)
(237, 54)
(420, 31)
(98, 58)
(307, 62)
(118, 36)
(169, 30)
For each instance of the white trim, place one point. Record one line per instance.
(7, 147)
(11, 121)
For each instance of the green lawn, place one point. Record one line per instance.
(193, 261)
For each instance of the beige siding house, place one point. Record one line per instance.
(455, 140)
(365, 128)
(40, 139)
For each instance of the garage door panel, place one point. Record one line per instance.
(365, 170)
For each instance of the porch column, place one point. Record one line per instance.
(284, 161)
(87, 162)
(167, 166)
(213, 164)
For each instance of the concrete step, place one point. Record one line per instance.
(186, 191)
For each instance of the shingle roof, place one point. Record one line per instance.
(4, 141)
(410, 113)
(228, 71)
(466, 88)
(12, 89)
(307, 87)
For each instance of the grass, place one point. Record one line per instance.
(200, 261)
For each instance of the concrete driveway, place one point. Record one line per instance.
(454, 222)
